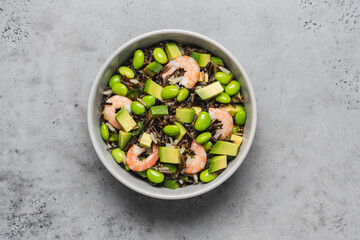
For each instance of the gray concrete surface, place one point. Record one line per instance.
(301, 179)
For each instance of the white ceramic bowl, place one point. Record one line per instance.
(124, 53)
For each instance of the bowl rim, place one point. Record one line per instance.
(98, 149)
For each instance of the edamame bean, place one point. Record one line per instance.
(126, 71)
(203, 138)
(205, 176)
(169, 92)
(240, 116)
(232, 88)
(127, 168)
(155, 176)
(223, 98)
(118, 155)
(222, 77)
(114, 79)
(160, 55)
(234, 129)
(137, 108)
(202, 122)
(207, 146)
(183, 94)
(138, 60)
(171, 130)
(149, 100)
(104, 130)
(120, 88)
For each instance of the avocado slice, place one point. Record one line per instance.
(153, 68)
(169, 155)
(217, 61)
(145, 140)
(197, 110)
(158, 111)
(217, 163)
(225, 148)
(233, 110)
(172, 50)
(210, 91)
(182, 131)
(195, 55)
(172, 184)
(236, 139)
(185, 115)
(204, 59)
(153, 89)
(125, 120)
(124, 138)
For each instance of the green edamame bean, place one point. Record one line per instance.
(183, 94)
(234, 129)
(138, 60)
(240, 117)
(202, 122)
(127, 168)
(169, 92)
(232, 88)
(120, 88)
(203, 138)
(160, 55)
(205, 176)
(149, 100)
(207, 146)
(223, 98)
(114, 79)
(171, 130)
(137, 108)
(118, 155)
(155, 176)
(126, 71)
(104, 130)
(222, 77)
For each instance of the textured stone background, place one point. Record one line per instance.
(301, 179)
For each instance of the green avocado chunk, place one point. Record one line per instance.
(169, 155)
(226, 148)
(172, 50)
(153, 89)
(217, 163)
(124, 138)
(185, 115)
(233, 110)
(172, 184)
(182, 131)
(210, 91)
(204, 59)
(125, 120)
(217, 61)
(153, 68)
(158, 111)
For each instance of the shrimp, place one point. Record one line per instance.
(117, 102)
(135, 164)
(198, 162)
(226, 120)
(192, 70)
